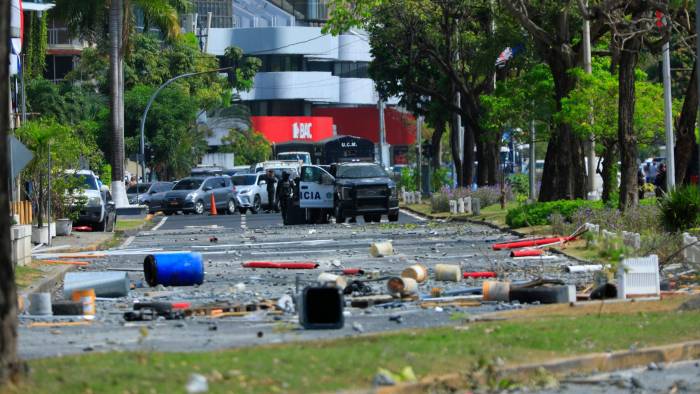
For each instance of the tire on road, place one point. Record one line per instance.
(338, 213)
(394, 217)
(257, 205)
(199, 207)
(100, 226)
(231, 207)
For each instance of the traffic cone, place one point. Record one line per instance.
(213, 206)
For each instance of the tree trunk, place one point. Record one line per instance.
(481, 165)
(116, 98)
(8, 291)
(436, 146)
(563, 177)
(627, 139)
(468, 165)
(609, 176)
(454, 142)
(493, 162)
(685, 130)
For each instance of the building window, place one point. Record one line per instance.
(276, 63)
(351, 69)
(221, 13)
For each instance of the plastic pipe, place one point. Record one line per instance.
(417, 271)
(353, 271)
(485, 274)
(584, 268)
(531, 242)
(448, 272)
(526, 252)
(106, 284)
(381, 249)
(281, 265)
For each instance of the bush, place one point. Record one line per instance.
(680, 209)
(539, 213)
(440, 178)
(408, 179)
(519, 184)
(490, 195)
(439, 202)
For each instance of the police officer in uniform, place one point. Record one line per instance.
(284, 192)
(271, 179)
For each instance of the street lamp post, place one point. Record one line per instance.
(150, 102)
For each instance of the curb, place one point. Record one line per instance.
(590, 363)
(47, 283)
(467, 220)
(495, 227)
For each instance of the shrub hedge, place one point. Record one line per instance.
(539, 213)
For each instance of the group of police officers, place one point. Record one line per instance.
(279, 191)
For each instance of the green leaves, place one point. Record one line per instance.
(247, 146)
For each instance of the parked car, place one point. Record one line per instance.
(136, 191)
(99, 211)
(153, 196)
(251, 191)
(193, 195)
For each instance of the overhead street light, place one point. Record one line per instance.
(150, 102)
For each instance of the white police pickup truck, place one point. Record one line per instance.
(347, 191)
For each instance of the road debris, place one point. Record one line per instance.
(174, 269)
(448, 272)
(281, 265)
(381, 249)
(105, 284)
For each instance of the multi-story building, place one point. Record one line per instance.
(307, 76)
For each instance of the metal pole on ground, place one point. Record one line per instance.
(532, 170)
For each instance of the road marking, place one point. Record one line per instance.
(162, 222)
(310, 243)
(291, 252)
(243, 221)
(127, 242)
(413, 215)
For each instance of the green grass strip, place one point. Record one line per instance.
(352, 362)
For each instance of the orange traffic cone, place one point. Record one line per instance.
(213, 206)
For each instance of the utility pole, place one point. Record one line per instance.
(668, 119)
(419, 138)
(382, 135)
(533, 192)
(588, 69)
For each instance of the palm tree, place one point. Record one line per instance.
(88, 18)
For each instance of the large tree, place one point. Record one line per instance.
(428, 50)
(555, 27)
(596, 97)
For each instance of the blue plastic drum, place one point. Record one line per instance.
(174, 269)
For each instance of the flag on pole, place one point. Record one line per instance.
(508, 54)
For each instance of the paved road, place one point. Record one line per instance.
(681, 377)
(332, 246)
(249, 220)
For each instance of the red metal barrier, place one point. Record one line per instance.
(281, 265)
(531, 242)
(526, 252)
(485, 274)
